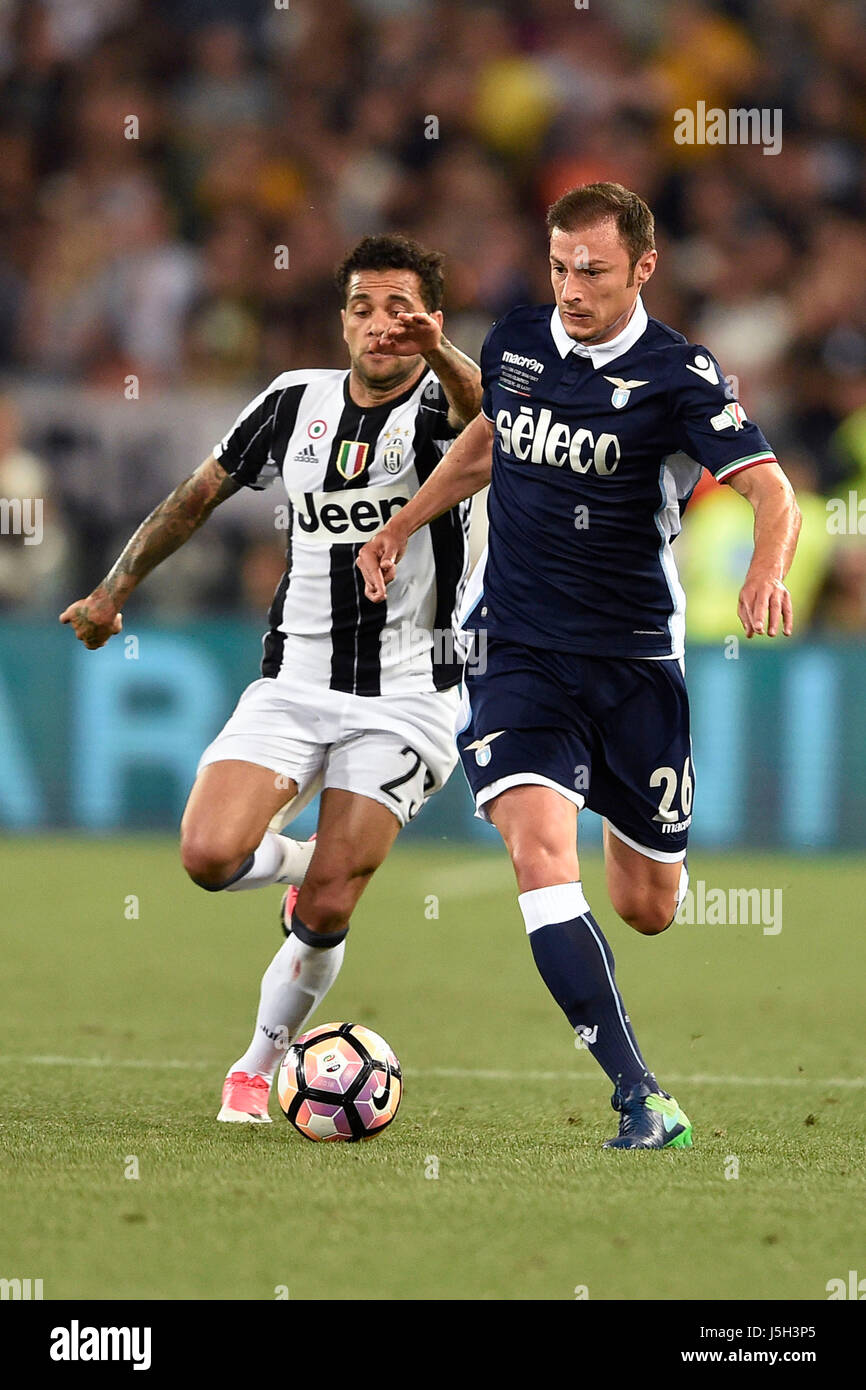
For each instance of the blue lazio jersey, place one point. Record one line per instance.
(596, 451)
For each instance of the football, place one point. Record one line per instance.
(340, 1081)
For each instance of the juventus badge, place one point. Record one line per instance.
(392, 454)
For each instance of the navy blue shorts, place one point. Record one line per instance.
(607, 732)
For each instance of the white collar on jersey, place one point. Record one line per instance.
(601, 354)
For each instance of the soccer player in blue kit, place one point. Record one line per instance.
(596, 421)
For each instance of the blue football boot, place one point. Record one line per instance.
(649, 1120)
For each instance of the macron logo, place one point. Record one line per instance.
(529, 362)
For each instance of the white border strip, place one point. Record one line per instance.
(445, 1073)
(661, 856)
(523, 779)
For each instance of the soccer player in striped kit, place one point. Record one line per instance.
(595, 423)
(355, 699)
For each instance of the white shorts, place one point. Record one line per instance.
(396, 749)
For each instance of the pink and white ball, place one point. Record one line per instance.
(340, 1081)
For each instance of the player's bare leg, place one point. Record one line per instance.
(225, 840)
(645, 892)
(539, 827)
(355, 834)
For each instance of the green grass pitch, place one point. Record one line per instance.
(759, 1036)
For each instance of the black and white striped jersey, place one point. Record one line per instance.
(347, 469)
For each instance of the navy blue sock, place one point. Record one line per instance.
(577, 965)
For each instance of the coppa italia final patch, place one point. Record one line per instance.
(351, 458)
(519, 374)
(732, 414)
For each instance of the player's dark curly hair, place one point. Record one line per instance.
(592, 202)
(396, 253)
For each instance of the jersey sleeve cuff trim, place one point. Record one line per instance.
(487, 417)
(739, 464)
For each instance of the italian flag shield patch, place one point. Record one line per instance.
(351, 458)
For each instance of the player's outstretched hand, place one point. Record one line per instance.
(410, 335)
(93, 619)
(378, 561)
(764, 603)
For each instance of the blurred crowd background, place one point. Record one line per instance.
(146, 247)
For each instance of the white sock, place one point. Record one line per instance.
(294, 984)
(278, 859)
(683, 887)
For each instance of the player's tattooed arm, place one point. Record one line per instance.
(168, 526)
(460, 379)
(96, 618)
(764, 600)
(421, 333)
(462, 471)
